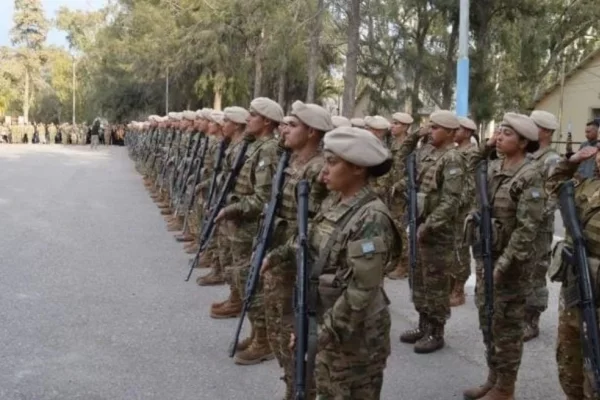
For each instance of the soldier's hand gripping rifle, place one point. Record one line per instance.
(195, 182)
(260, 249)
(484, 221)
(301, 292)
(209, 227)
(161, 176)
(578, 260)
(187, 172)
(411, 176)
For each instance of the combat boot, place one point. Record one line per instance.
(413, 335)
(175, 225)
(211, 279)
(165, 210)
(401, 272)
(193, 249)
(258, 351)
(185, 237)
(504, 389)
(532, 325)
(230, 309)
(432, 341)
(480, 391)
(457, 297)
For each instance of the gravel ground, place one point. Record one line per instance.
(94, 307)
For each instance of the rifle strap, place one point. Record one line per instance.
(313, 286)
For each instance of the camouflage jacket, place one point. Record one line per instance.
(546, 160)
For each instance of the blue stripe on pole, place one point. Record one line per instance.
(462, 87)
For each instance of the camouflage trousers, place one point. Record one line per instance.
(222, 259)
(431, 283)
(537, 296)
(278, 290)
(574, 379)
(241, 253)
(462, 264)
(354, 370)
(507, 324)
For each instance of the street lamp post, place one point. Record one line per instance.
(462, 67)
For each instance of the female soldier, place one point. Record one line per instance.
(353, 239)
(516, 197)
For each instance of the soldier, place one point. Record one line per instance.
(357, 122)
(338, 121)
(546, 158)
(575, 381)
(29, 132)
(251, 192)
(379, 127)
(440, 179)
(462, 265)
(95, 134)
(401, 122)
(353, 239)
(307, 126)
(517, 202)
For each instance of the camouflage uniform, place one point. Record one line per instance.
(575, 381)
(208, 168)
(397, 204)
(517, 200)
(440, 180)
(462, 267)
(251, 192)
(353, 319)
(279, 283)
(52, 131)
(537, 300)
(29, 130)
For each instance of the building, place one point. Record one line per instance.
(580, 98)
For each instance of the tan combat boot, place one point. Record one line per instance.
(175, 225)
(244, 344)
(432, 341)
(185, 237)
(401, 272)
(211, 279)
(230, 309)
(480, 391)
(258, 351)
(413, 335)
(532, 325)
(457, 297)
(193, 249)
(504, 389)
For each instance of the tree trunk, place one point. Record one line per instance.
(26, 97)
(258, 66)
(449, 81)
(313, 53)
(282, 82)
(350, 73)
(217, 100)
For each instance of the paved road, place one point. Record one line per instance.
(93, 305)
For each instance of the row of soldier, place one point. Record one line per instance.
(212, 173)
(58, 134)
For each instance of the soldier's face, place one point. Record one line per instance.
(461, 135)
(213, 128)
(509, 142)
(256, 123)
(338, 174)
(440, 136)
(229, 128)
(398, 128)
(380, 133)
(296, 135)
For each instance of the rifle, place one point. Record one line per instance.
(484, 220)
(186, 173)
(411, 171)
(264, 241)
(216, 172)
(301, 291)
(163, 169)
(209, 227)
(569, 145)
(578, 259)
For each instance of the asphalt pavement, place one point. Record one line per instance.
(93, 303)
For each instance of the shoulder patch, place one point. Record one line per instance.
(368, 247)
(261, 163)
(536, 194)
(453, 171)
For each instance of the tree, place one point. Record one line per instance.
(29, 32)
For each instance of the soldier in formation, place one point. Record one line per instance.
(357, 213)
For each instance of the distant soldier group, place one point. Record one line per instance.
(303, 216)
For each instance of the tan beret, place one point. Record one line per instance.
(312, 115)
(189, 115)
(358, 122)
(267, 108)
(522, 124)
(205, 113)
(236, 114)
(338, 121)
(173, 116)
(377, 122)
(217, 117)
(445, 119)
(544, 119)
(467, 123)
(154, 118)
(403, 118)
(198, 113)
(357, 146)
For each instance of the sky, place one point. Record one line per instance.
(55, 37)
